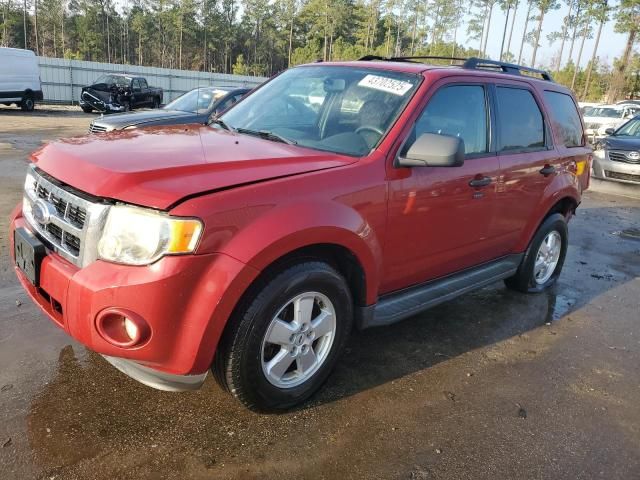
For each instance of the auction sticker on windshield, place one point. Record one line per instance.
(385, 84)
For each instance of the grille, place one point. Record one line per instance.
(62, 206)
(622, 176)
(93, 128)
(621, 157)
(70, 224)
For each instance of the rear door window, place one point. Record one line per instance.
(520, 122)
(459, 111)
(565, 118)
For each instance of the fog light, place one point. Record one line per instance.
(131, 328)
(122, 328)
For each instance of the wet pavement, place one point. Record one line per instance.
(495, 384)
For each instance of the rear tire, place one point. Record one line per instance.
(543, 260)
(156, 103)
(27, 104)
(272, 358)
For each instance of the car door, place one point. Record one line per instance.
(136, 93)
(439, 218)
(528, 160)
(145, 97)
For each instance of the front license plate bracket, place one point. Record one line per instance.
(29, 253)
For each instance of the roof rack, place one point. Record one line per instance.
(511, 68)
(409, 59)
(472, 63)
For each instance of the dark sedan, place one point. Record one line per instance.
(196, 106)
(617, 157)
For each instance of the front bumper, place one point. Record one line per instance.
(606, 169)
(90, 100)
(186, 301)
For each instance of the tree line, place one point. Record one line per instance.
(263, 37)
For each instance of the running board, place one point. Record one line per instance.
(397, 306)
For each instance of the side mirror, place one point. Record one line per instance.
(610, 131)
(434, 150)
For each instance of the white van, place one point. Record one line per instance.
(19, 78)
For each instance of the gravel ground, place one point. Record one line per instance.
(492, 385)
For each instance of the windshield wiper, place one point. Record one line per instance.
(267, 135)
(219, 121)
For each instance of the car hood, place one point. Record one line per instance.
(158, 166)
(121, 120)
(622, 143)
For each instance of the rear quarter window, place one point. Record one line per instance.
(565, 118)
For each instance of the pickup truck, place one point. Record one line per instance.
(336, 196)
(116, 92)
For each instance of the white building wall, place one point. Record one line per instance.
(62, 79)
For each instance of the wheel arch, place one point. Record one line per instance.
(330, 231)
(337, 256)
(564, 202)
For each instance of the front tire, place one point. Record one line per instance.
(86, 109)
(285, 337)
(27, 104)
(543, 261)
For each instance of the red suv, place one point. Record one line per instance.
(336, 195)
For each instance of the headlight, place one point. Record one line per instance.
(29, 182)
(138, 236)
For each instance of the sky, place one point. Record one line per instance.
(611, 43)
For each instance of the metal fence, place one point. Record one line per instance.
(62, 79)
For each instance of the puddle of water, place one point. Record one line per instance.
(559, 306)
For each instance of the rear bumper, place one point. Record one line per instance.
(623, 172)
(185, 300)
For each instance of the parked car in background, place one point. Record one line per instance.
(600, 118)
(19, 78)
(632, 102)
(586, 107)
(253, 246)
(196, 106)
(617, 157)
(116, 92)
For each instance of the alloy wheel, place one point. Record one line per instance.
(298, 340)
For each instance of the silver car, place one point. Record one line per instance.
(617, 157)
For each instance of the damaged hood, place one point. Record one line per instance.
(157, 167)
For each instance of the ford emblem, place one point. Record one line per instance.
(42, 212)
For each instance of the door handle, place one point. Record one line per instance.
(480, 182)
(548, 170)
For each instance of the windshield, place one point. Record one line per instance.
(339, 109)
(199, 100)
(629, 129)
(111, 79)
(606, 112)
